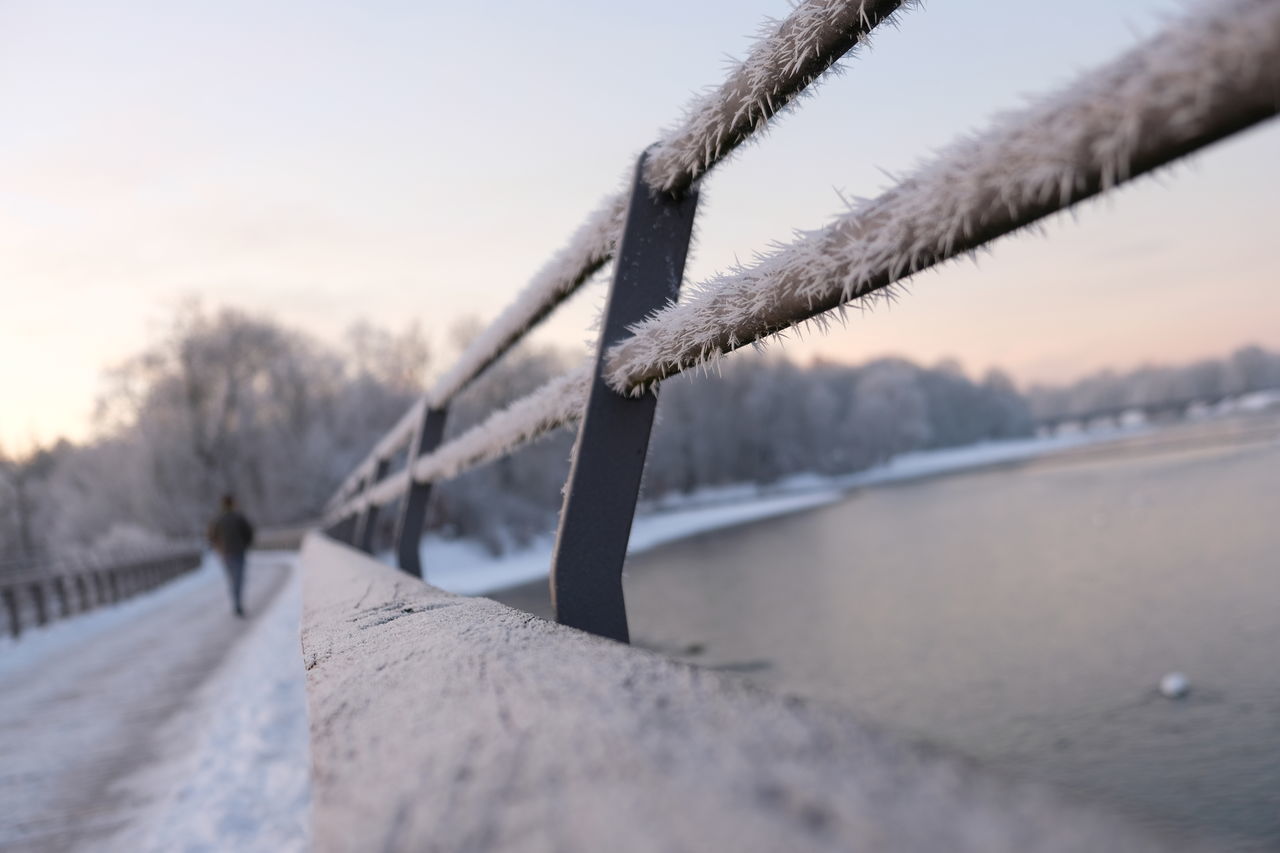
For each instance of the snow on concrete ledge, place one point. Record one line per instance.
(440, 722)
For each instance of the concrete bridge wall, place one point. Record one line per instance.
(448, 723)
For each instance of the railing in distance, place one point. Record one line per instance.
(34, 597)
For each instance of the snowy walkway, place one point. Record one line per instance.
(93, 711)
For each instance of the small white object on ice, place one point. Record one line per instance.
(1174, 686)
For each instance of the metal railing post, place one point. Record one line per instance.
(348, 528)
(608, 459)
(83, 593)
(367, 523)
(344, 529)
(38, 599)
(60, 590)
(11, 606)
(413, 505)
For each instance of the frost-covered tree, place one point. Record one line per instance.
(890, 411)
(230, 402)
(24, 499)
(763, 418)
(511, 500)
(1247, 370)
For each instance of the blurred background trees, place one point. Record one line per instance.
(1246, 371)
(226, 401)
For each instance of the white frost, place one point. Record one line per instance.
(789, 57)
(555, 404)
(1211, 73)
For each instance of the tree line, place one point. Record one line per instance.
(226, 401)
(1247, 370)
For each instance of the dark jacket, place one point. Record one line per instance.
(230, 533)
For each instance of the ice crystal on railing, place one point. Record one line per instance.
(787, 58)
(1209, 74)
(557, 403)
(1213, 73)
(590, 248)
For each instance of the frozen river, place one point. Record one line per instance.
(1023, 616)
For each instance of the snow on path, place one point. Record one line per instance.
(84, 699)
(246, 786)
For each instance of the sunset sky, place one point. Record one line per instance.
(324, 162)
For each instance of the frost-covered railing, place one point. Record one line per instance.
(1210, 74)
(777, 71)
(37, 594)
(441, 722)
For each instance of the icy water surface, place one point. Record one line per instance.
(1024, 616)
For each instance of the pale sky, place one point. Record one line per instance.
(325, 162)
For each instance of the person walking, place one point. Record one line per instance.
(231, 534)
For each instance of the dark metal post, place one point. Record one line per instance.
(37, 598)
(344, 530)
(368, 524)
(83, 589)
(604, 480)
(413, 506)
(11, 605)
(64, 601)
(348, 529)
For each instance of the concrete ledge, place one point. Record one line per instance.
(445, 723)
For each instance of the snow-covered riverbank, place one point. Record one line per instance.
(466, 567)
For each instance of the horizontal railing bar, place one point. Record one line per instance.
(779, 67)
(588, 251)
(395, 438)
(776, 71)
(557, 403)
(590, 248)
(1211, 74)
